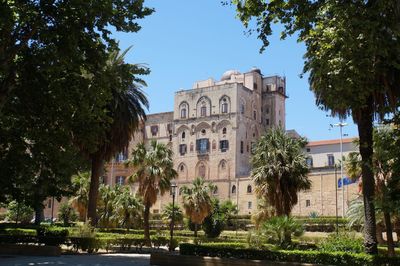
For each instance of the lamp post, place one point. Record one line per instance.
(336, 211)
(341, 125)
(173, 192)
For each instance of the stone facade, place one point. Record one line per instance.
(211, 131)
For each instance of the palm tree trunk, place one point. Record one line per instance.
(389, 233)
(97, 165)
(364, 124)
(379, 231)
(195, 230)
(146, 217)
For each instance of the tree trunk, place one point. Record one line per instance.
(97, 165)
(146, 217)
(364, 124)
(38, 215)
(389, 233)
(195, 230)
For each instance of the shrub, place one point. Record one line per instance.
(315, 257)
(19, 211)
(345, 242)
(52, 236)
(67, 214)
(255, 239)
(281, 229)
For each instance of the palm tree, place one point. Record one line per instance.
(125, 110)
(81, 183)
(197, 201)
(153, 170)
(264, 211)
(167, 214)
(280, 170)
(281, 229)
(129, 208)
(106, 204)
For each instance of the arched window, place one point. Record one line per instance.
(203, 109)
(182, 168)
(255, 114)
(224, 130)
(183, 113)
(183, 135)
(224, 106)
(249, 189)
(233, 191)
(223, 165)
(184, 107)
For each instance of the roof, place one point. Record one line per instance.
(329, 142)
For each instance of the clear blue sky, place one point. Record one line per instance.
(188, 40)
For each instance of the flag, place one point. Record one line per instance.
(346, 181)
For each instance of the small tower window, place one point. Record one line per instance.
(233, 189)
(249, 189)
(183, 135)
(224, 131)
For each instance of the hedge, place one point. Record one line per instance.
(329, 258)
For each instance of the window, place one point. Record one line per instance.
(308, 203)
(49, 204)
(182, 168)
(249, 205)
(308, 149)
(169, 128)
(191, 147)
(120, 180)
(233, 189)
(242, 108)
(309, 161)
(154, 130)
(203, 132)
(331, 160)
(202, 145)
(254, 115)
(267, 110)
(224, 145)
(224, 131)
(224, 106)
(122, 156)
(203, 111)
(223, 165)
(241, 147)
(215, 191)
(268, 87)
(267, 121)
(156, 211)
(255, 86)
(182, 149)
(249, 189)
(247, 147)
(183, 136)
(183, 113)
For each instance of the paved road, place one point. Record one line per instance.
(78, 260)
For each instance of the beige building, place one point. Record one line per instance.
(211, 131)
(327, 193)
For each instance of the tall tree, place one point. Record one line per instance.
(153, 171)
(352, 57)
(124, 109)
(106, 205)
(197, 201)
(129, 208)
(280, 169)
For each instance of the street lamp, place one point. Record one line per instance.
(341, 125)
(173, 193)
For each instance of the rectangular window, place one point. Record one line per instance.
(309, 161)
(249, 205)
(202, 145)
(154, 130)
(241, 147)
(203, 111)
(267, 110)
(182, 149)
(224, 108)
(122, 156)
(183, 113)
(120, 180)
(224, 145)
(331, 160)
(242, 108)
(308, 203)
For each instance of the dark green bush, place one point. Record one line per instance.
(52, 236)
(317, 257)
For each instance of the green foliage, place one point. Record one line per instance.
(345, 242)
(66, 214)
(19, 211)
(167, 214)
(280, 170)
(52, 236)
(129, 208)
(214, 224)
(297, 256)
(256, 239)
(280, 230)
(84, 230)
